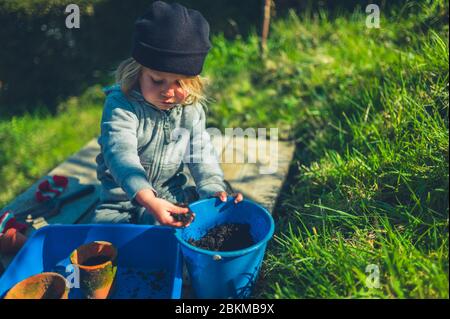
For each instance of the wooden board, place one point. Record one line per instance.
(257, 168)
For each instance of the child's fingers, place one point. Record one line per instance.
(181, 215)
(239, 197)
(221, 195)
(182, 220)
(187, 221)
(190, 221)
(171, 222)
(179, 210)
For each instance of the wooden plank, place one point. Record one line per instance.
(257, 168)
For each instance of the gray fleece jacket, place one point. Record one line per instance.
(145, 147)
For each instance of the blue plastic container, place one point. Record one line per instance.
(149, 263)
(225, 274)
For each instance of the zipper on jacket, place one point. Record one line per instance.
(162, 140)
(165, 128)
(155, 161)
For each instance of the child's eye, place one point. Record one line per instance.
(157, 82)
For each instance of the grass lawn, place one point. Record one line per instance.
(368, 111)
(369, 188)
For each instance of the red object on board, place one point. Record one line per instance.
(51, 188)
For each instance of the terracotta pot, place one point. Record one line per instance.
(97, 262)
(47, 285)
(11, 241)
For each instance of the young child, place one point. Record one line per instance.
(158, 91)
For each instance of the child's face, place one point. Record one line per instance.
(162, 89)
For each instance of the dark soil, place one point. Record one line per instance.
(142, 284)
(184, 218)
(96, 260)
(226, 237)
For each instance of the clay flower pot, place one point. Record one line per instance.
(47, 285)
(11, 241)
(97, 264)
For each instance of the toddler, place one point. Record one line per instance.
(158, 93)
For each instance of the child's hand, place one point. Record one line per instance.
(162, 209)
(164, 212)
(223, 196)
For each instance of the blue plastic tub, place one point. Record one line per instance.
(225, 274)
(149, 263)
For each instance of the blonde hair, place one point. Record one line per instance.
(129, 71)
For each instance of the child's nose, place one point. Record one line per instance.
(170, 91)
(174, 90)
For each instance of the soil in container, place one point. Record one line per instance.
(139, 283)
(226, 237)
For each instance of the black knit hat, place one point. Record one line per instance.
(171, 38)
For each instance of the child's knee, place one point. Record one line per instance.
(146, 218)
(107, 213)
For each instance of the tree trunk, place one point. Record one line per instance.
(266, 23)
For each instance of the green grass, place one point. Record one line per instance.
(368, 111)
